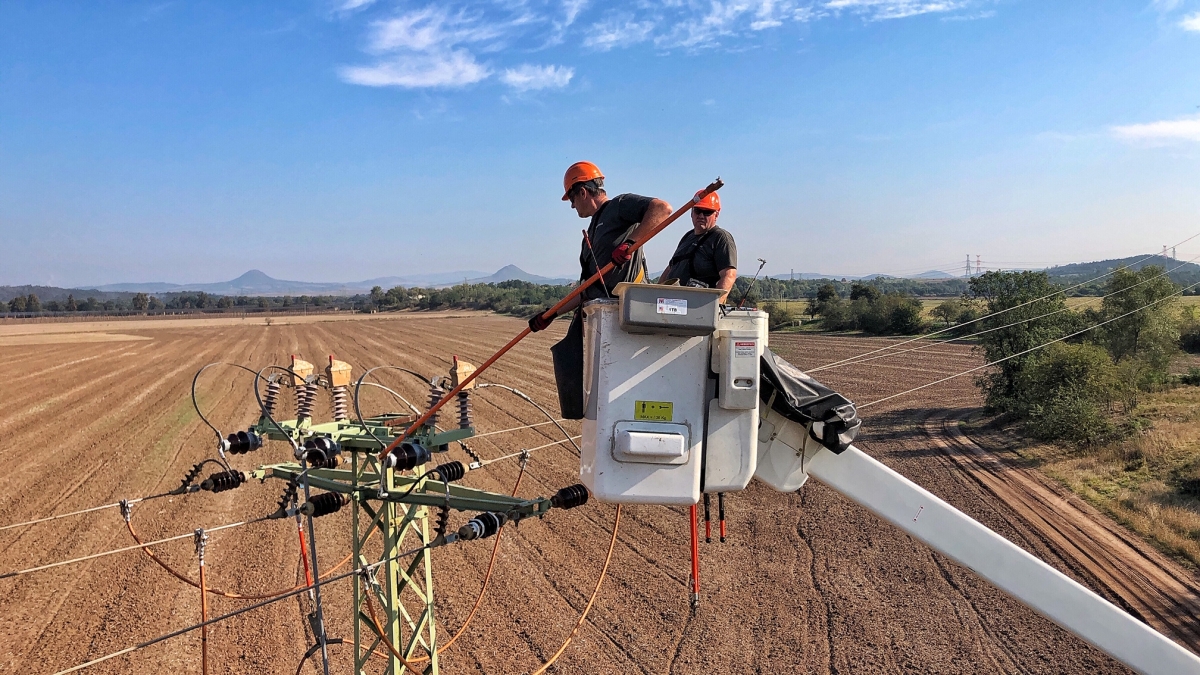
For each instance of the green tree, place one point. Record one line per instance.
(32, 304)
(1033, 314)
(155, 303)
(377, 296)
(1067, 393)
(140, 301)
(264, 303)
(17, 304)
(1142, 313)
(225, 302)
(948, 311)
(71, 304)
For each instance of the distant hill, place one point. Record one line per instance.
(258, 283)
(49, 293)
(512, 272)
(1182, 273)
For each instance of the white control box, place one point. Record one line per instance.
(645, 399)
(730, 451)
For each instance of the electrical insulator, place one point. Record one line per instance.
(451, 471)
(464, 410)
(482, 526)
(306, 399)
(341, 404)
(319, 449)
(243, 442)
(226, 480)
(408, 455)
(569, 497)
(435, 395)
(327, 463)
(324, 504)
(272, 397)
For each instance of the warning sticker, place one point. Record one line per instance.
(672, 306)
(653, 411)
(741, 349)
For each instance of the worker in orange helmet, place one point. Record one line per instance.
(615, 225)
(707, 255)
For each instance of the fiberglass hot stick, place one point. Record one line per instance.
(550, 313)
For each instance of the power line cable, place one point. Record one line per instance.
(182, 631)
(1003, 311)
(1031, 349)
(127, 548)
(851, 362)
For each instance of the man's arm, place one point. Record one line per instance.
(656, 212)
(725, 283)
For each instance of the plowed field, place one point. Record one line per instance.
(807, 582)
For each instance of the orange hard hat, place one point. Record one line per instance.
(577, 173)
(710, 201)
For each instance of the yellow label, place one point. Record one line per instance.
(653, 411)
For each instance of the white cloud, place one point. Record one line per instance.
(530, 77)
(452, 69)
(1164, 132)
(354, 5)
(618, 32)
(424, 48)
(880, 10)
(1191, 22)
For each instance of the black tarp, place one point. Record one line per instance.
(831, 417)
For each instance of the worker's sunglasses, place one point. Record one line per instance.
(703, 213)
(575, 191)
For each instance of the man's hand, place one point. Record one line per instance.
(622, 253)
(537, 322)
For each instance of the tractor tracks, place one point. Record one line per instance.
(1149, 585)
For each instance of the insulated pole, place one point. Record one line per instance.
(550, 313)
(695, 580)
(201, 538)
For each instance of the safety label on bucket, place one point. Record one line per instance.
(745, 349)
(653, 411)
(672, 306)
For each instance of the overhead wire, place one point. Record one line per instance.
(1002, 311)
(102, 554)
(242, 610)
(852, 361)
(486, 462)
(1031, 349)
(595, 591)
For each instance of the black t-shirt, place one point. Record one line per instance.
(610, 226)
(716, 252)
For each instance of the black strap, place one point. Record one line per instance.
(690, 253)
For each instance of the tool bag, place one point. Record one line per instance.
(567, 355)
(831, 418)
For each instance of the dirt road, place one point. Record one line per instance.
(1149, 586)
(808, 582)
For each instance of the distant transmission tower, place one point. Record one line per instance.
(978, 265)
(967, 274)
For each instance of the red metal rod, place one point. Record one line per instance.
(304, 555)
(549, 314)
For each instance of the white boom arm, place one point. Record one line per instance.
(949, 531)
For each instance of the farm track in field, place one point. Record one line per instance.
(806, 583)
(1148, 585)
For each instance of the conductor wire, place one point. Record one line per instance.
(196, 405)
(1009, 309)
(1031, 349)
(183, 631)
(93, 556)
(587, 608)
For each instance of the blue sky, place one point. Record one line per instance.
(324, 141)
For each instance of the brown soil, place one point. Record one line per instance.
(807, 582)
